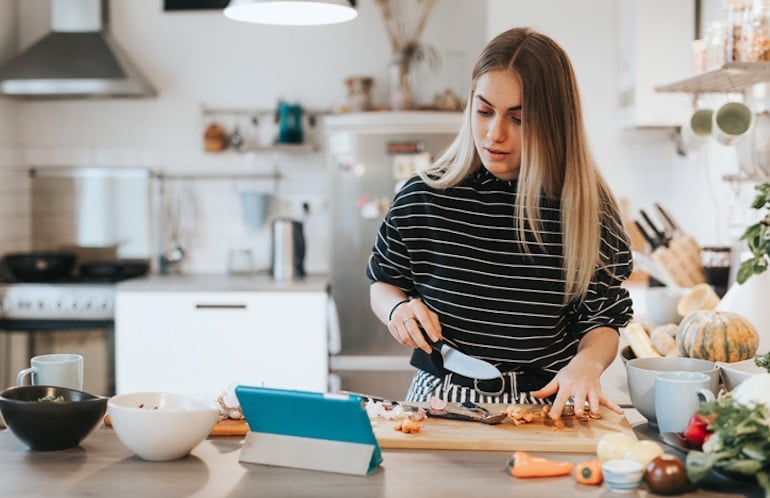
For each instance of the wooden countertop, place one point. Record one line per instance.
(102, 466)
(219, 283)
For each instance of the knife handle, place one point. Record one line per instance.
(662, 238)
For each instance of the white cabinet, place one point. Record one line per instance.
(655, 44)
(199, 343)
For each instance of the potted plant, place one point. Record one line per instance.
(757, 237)
(748, 295)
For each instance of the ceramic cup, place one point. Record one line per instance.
(61, 369)
(678, 396)
(732, 122)
(697, 130)
(254, 208)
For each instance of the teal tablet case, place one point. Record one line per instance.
(292, 428)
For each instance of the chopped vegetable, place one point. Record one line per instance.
(437, 404)
(408, 426)
(52, 399)
(589, 472)
(523, 464)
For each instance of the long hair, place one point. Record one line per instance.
(555, 158)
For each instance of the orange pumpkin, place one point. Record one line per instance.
(717, 336)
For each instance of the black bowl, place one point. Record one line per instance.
(40, 266)
(51, 425)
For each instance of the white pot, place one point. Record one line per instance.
(750, 299)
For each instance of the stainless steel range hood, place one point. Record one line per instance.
(77, 59)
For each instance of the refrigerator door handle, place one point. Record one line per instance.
(334, 337)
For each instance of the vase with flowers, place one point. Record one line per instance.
(404, 23)
(748, 295)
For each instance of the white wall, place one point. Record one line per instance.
(14, 199)
(201, 58)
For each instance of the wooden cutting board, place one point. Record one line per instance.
(575, 436)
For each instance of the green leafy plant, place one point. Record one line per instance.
(757, 237)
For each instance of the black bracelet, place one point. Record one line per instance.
(390, 315)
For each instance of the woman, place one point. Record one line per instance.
(510, 246)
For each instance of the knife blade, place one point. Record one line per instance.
(649, 238)
(669, 221)
(461, 363)
(663, 238)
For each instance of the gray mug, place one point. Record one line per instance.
(678, 395)
(60, 369)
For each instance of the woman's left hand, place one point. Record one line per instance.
(579, 380)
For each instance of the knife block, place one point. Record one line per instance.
(681, 260)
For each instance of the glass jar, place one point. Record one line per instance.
(714, 45)
(738, 15)
(758, 32)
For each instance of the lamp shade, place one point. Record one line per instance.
(291, 12)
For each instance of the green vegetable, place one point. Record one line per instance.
(757, 237)
(52, 399)
(740, 442)
(763, 362)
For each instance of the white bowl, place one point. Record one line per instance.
(641, 374)
(661, 303)
(160, 426)
(733, 374)
(622, 476)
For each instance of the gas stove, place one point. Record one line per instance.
(57, 301)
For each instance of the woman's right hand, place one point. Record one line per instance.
(408, 321)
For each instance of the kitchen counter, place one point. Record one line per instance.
(217, 282)
(102, 466)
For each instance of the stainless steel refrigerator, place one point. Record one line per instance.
(369, 157)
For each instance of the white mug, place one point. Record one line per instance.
(61, 369)
(732, 122)
(697, 130)
(678, 396)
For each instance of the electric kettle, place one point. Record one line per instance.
(288, 249)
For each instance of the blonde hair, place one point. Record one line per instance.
(555, 158)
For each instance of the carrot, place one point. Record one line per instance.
(589, 472)
(523, 464)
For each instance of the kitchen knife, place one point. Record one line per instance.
(463, 364)
(669, 221)
(649, 238)
(663, 238)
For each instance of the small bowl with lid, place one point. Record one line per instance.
(622, 475)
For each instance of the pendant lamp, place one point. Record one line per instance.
(291, 12)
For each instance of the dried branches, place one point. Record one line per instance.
(404, 23)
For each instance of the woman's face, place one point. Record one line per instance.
(496, 123)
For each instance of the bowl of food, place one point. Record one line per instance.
(641, 374)
(160, 426)
(50, 418)
(734, 373)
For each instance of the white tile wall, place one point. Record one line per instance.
(14, 201)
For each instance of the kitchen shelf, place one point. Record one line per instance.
(738, 178)
(275, 175)
(732, 77)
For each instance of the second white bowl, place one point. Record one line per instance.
(160, 426)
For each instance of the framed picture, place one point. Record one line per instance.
(194, 4)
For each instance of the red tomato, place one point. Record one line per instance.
(697, 431)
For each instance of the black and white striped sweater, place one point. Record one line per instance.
(457, 250)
